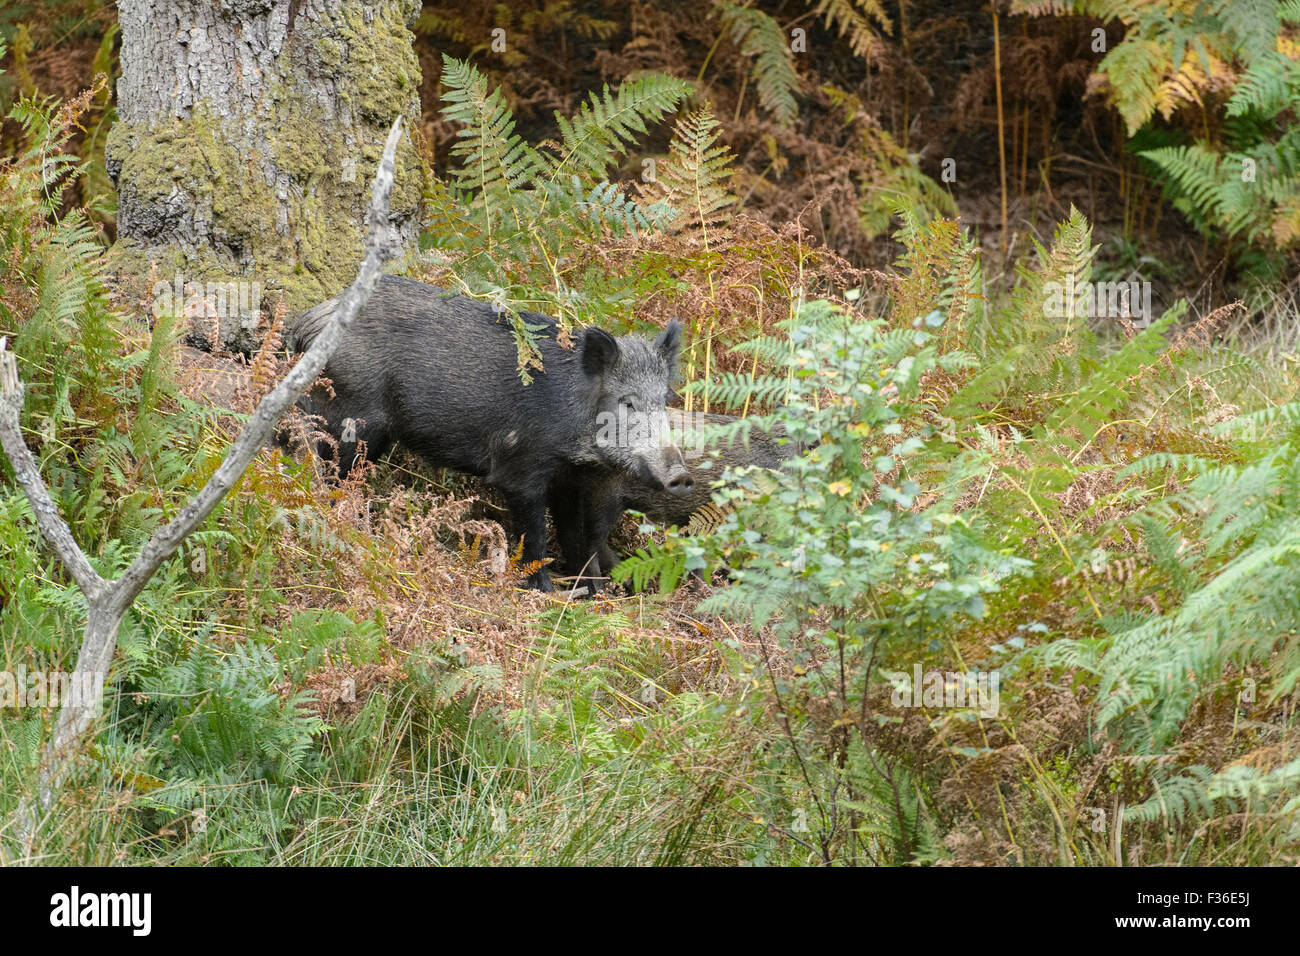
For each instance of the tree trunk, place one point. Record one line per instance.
(248, 132)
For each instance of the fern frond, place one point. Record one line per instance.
(1177, 798)
(1106, 390)
(495, 162)
(606, 124)
(1135, 70)
(1269, 85)
(760, 37)
(852, 19)
(693, 178)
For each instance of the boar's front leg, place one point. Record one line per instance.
(528, 516)
(604, 506)
(568, 510)
(585, 504)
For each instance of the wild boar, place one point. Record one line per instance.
(437, 372)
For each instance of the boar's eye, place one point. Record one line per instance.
(627, 402)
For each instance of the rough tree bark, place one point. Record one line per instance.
(247, 132)
(107, 601)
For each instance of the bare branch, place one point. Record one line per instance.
(48, 520)
(108, 601)
(258, 429)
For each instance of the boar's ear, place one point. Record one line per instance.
(599, 351)
(669, 342)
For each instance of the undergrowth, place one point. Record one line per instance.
(1102, 517)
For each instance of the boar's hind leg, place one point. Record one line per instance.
(528, 516)
(361, 436)
(607, 557)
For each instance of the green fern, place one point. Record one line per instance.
(1039, 344)
(1243, 179)
(607, 206)
(495, 162)
(693, 178)
(1080, 417)
(606, 125)
(1198, 792)
(760, 37)
(1176, 799)
(1246, 526)
(1270, 85)
(665, 565)
(510, 213)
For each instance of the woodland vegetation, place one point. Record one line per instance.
(887, 226)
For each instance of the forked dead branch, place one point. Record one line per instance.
(107, 600)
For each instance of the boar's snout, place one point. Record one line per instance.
(679, 480)
(665, 470)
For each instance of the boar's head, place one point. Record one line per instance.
(631, 378)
